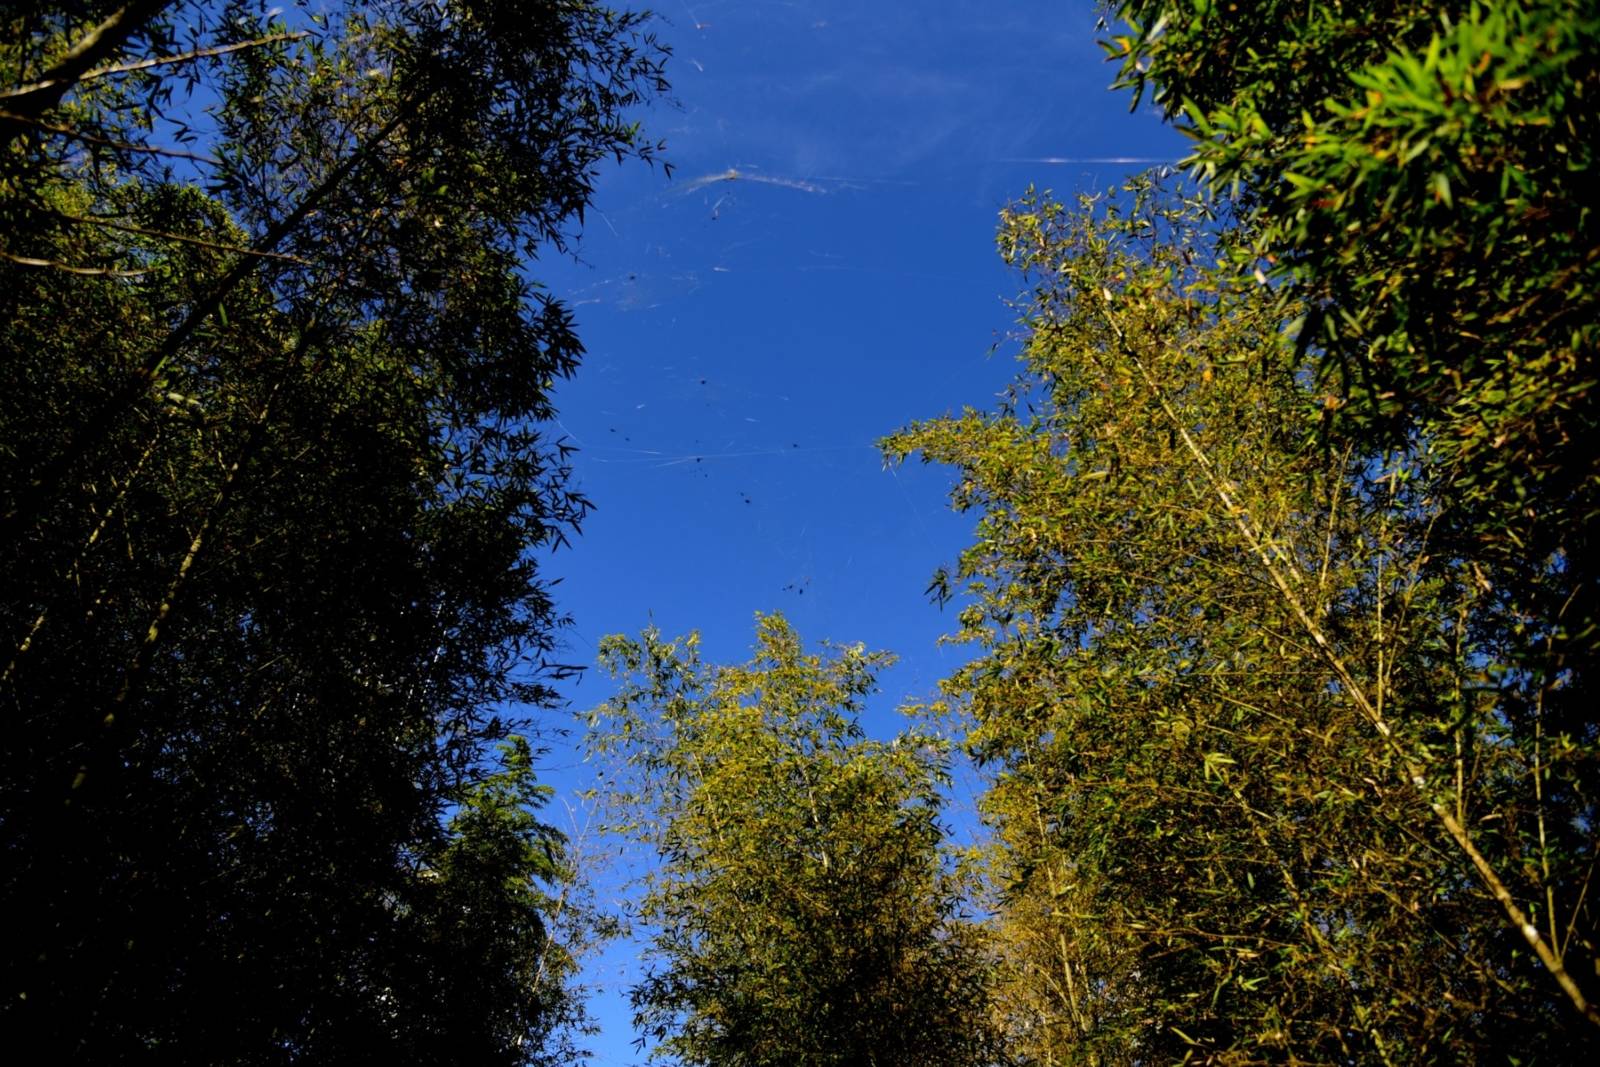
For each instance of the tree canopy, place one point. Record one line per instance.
(802, 909)
(1282, 547)
(1281, 599)
(1264, 785)
(1420, 182)
(274, 487)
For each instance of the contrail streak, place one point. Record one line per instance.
(1109, 160)
(734, 175)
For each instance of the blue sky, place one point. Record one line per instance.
(817, 271)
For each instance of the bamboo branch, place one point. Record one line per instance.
(102, 750)
(97, 46)
(70, 268)
(196, 241)
(1224, 490)
(214, 511)
(103, 142)
(26, 644)
(159, 61)
(95, 429)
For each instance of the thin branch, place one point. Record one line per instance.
(104, 142)
(51, 264)
(102, 751)
(1538, 796)
(96, 46)
(196, 241)
(159, 61)
(83, 554)
(1224, 490)
(1334, 496)
(82, 439)
(1577, 909)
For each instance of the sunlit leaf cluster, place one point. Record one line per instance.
(802, 911)
(1231, 697)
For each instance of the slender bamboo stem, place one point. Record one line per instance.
(93, 49)
(1226, 492)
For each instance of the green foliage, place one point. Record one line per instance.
(801, 908)
(273, 487)
(1251, 732)
(1421, 180)
(487, 923)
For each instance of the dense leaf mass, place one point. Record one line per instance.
(1282, 597)
(801, 910)
(1268, 786)
(1421, 177)
(273, 485)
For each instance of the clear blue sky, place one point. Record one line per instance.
(818, 271)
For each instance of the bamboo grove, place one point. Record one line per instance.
(1281, 589)
(1280, 609)
(274, 481)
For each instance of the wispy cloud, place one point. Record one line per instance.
(733, 174)
(1091, 160)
